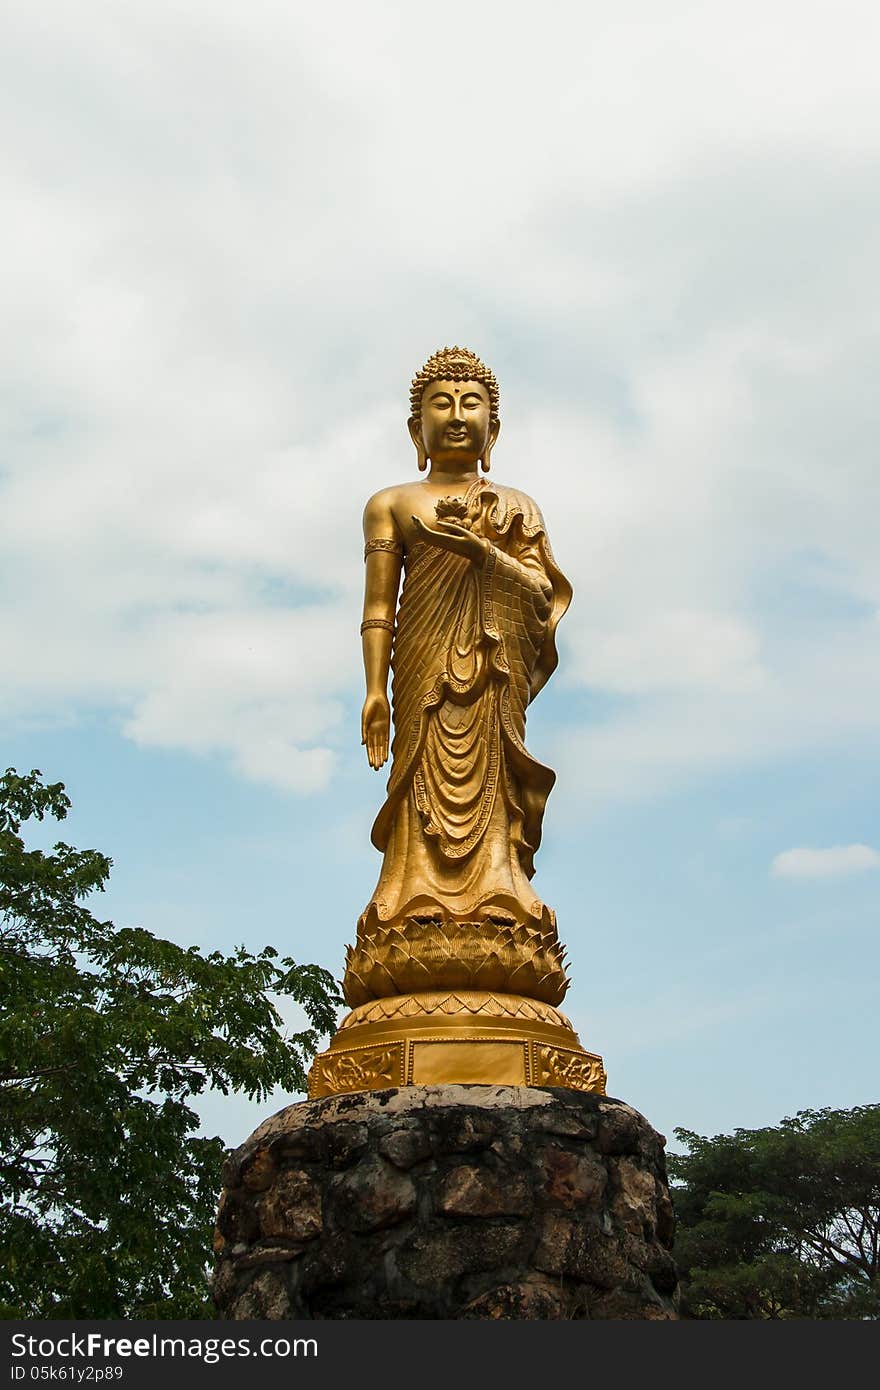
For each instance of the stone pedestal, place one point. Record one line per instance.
(509, 1202)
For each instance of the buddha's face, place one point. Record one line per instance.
(456, 421)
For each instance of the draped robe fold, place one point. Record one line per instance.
(462, 818)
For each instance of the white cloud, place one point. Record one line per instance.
(677, 650)
(235, 234)
(255, 684)
(825, 863)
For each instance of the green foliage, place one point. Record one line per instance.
(781, 1222)
(107, 1194)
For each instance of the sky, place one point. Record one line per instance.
(231, 235)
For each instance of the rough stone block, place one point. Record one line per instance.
(405, 1146)
(472, 1191)
(372, 1195)
(293, 1207)
(571, 1179)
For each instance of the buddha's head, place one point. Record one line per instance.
(454, 403)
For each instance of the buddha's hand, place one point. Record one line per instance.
(450, 536)
(375, 728)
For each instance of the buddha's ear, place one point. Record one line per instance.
(494, 430)
(415, 434)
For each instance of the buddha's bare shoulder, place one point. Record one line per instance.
(386, 497)
(384, 508)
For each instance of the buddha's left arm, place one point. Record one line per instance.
(518, 595)
(530, 557)
(526, 561)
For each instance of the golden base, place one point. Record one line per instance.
(454, 1037)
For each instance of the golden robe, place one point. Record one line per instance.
(462, 818)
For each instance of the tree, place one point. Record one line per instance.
(108, 1193)
(781, 1222)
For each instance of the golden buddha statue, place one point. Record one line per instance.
(457, 969)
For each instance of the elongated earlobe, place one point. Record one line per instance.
(490, 445)
(415, 434)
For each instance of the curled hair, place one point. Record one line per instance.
(453, 364)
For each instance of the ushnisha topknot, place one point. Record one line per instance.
(454, 364)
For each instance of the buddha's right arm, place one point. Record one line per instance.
(383, 552)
